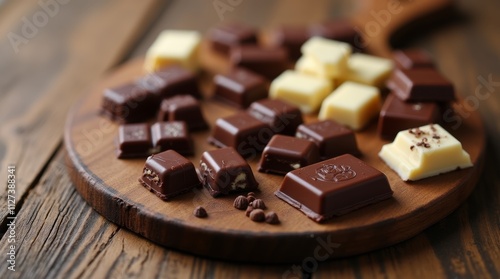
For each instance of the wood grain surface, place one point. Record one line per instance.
(60, 236)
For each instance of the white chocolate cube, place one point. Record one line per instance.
(352, 104)
(305, 91)
(368, 69)
(423, 152)
(330, 55)
(174, 47)
(309, 66)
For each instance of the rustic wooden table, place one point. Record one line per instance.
(51, 53)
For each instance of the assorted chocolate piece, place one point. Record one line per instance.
(421, 85)
(246, 134)
(284, 153)
(168, 174)
(332, 138)
(269, 62)
(172, 135)
(397, 115)
(224, 171)
(412, 58)
(240, 87)
(290, 38)
(170, 81)
(257, 215)
(333, 187)
(134, 140)
(183, 108)
(339, 30)
(224, 37)
(281, 116)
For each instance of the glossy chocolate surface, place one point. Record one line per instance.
(421, 85)
(134, 140)
(225, 36)
(290, 38)
(240, 87)
(269, 62)
(246, 134)
(397, 115)
(412, 58)
(172, 135)
(170, 81)
(183, 108)
(285, 153)
(168, 174)
(332, 138)
(334, 187)
(224, 171)
(282, 117)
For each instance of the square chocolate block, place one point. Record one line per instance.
(168, 174)
(290, 38)
(170, 81)
(134, 140)
(183, 108)
(284, 153)
(172, 135)
(246, 134)
(397, 115)
(334, 187)
(269, 62)
(412, 58)
(129, 103)
(224, 37)
(421, 85)
(282, 117)
(338, 30)
(240, 87)
(224, 171)
(332, 138)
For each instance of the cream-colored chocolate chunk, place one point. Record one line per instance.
(174, 47)
(352, 104)
(423, 152)
(330, 55)
(307, 65)
(368, 69)
(305, 91)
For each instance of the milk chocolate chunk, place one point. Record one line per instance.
(224, 37)
(240, 87)
(397, 115)
(338, 30)
(170, 81)
(332, 138)
(281, 116)
(333, 187)
(412, 58)
(291, 38)
(129, 103)
(269, 62)
(246, 134)
(134, 140)
(168, 174)
(224, 171)
(284, 153)
(421, 85)
(172, 135)
(183, 108)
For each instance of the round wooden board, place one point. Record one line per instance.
(110, 186)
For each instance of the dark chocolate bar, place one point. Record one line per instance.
(170, 81)
(269, 62)
(225, 36)
(172, 135)
(412, 58)
(290, 38)
(282, 117)
(183, 108)
(240, 87)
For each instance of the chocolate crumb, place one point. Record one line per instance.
(241, 202)
(433, 128)
(258, 203)
(436, 137)
(200, 212)
(272, 218)
(412, 147)
(257, 215)
(249, 210)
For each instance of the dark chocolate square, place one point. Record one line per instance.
(170, 81)
(332, 138)
(290, 38)
(240, 87)
(397, 115)
(169, 174)
(412, 58)
(334, 187)
(172, 135)
(183, 108)
(284, 153)
(269, 62)
(134, 140)
(338, 30)
(224, 37)
(224, 171)
(282, 117)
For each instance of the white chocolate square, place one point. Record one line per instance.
(423, 152)
(352, 104)
(368, 69)
(305, 91)
(330, 55)
(309, 66)
(174, 47)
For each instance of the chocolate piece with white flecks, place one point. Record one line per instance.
(172, 135)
